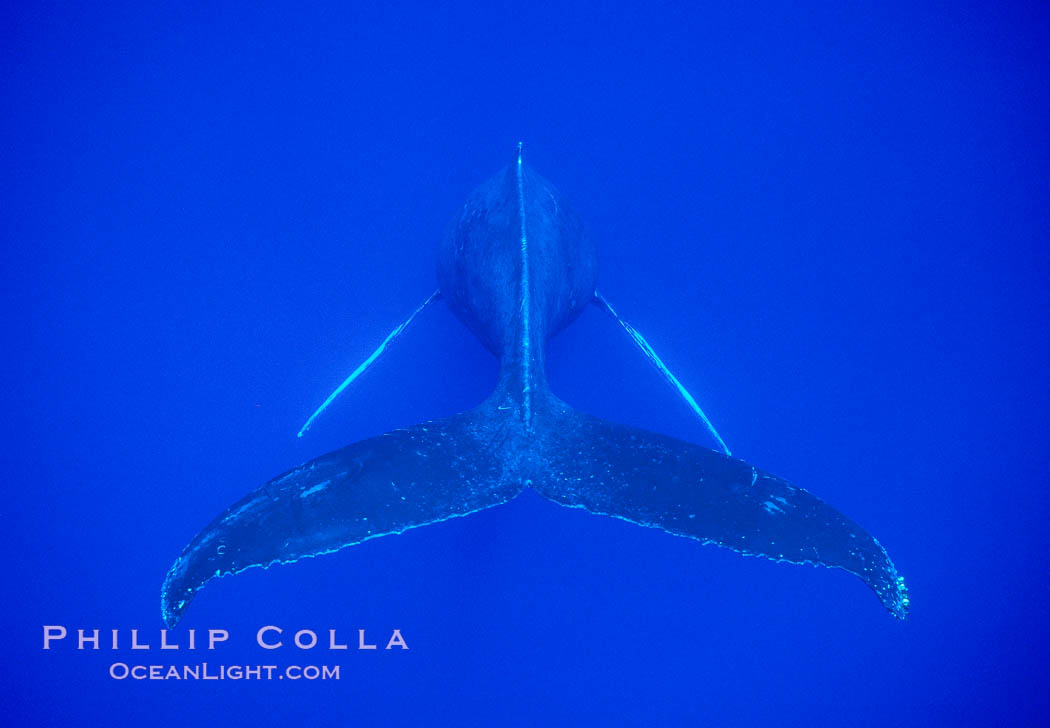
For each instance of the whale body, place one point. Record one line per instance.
(516, 267)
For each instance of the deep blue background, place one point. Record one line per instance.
(831, 222)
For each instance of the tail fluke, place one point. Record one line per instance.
(398, 330)
(688, 490)
(453, 467)
(384, 485)
(657, 362)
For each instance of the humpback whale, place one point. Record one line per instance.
(517, 267)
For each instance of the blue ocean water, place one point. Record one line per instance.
(830, 221)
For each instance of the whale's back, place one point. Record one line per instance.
(482, 260)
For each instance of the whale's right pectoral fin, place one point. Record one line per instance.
(691, 491)
(384, 485)
(665, 372)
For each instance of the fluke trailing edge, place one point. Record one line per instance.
(516, 268)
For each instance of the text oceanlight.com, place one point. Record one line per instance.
(204, 671)
(161, 644)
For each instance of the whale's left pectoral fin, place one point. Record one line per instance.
(363, 366)
(691, 491)
(384, 485)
